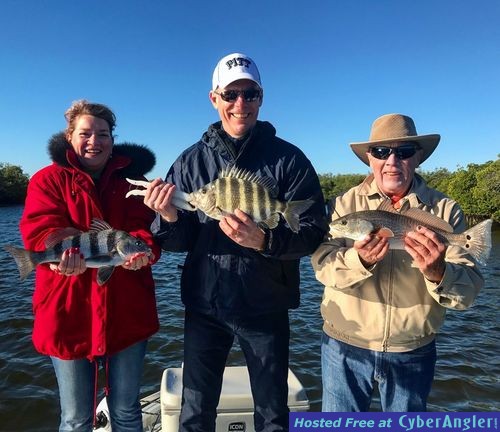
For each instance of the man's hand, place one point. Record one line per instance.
(428, 252)
(159, 197)
(371, 249)
(240, 228)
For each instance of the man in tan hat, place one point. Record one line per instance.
(382, 307)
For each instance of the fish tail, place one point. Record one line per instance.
(293, 211)
(478, 241)
(24, 260)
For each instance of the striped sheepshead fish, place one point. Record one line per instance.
(102, 247)
(239, 189)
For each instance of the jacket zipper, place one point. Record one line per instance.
(231, 150)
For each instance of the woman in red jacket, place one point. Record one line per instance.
(79, 323)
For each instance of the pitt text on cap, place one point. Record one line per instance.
(238, 61)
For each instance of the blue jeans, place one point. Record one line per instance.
(349, 374)
(76, 380)
(264, 341)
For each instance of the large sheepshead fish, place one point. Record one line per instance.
(239, 189)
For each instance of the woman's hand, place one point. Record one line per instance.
(137, 261)
(72, 263)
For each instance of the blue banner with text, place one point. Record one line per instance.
(395, 422)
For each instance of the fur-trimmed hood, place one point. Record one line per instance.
(142, 159)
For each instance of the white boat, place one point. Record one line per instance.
(151, 414)
(160, 410)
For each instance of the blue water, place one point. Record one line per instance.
(467, 375)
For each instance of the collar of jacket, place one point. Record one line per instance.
(135, 160)
(419, 191)
(262, 129)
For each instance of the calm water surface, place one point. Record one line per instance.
(467, 375)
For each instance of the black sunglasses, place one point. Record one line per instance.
(401, 152)
(249, 95)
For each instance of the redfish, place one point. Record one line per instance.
(387, 222)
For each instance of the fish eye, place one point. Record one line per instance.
(138, 243)
(344, 222)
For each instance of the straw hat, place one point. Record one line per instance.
(392, 128)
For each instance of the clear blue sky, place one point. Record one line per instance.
(329, 68)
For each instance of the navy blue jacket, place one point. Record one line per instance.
(221, 277)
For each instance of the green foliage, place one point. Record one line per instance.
(438, 179)
(460, 189)
(13, 184)
(487, 190)
(476, 188)
(334, 185)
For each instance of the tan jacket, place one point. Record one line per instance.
(391, 306)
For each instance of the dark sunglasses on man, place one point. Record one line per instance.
(405, 151)
(248, 95)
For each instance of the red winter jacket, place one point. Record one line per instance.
(75, 317)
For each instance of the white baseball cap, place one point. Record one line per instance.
(234, 67)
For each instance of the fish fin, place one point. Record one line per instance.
(218, 213)
(103, 274)
(478, 241)
(59, 235)
(384, 232)
(239, 173)
(293, 211)
(24, 261)
(262, 225)
(99, 225)
(272, 221)
(426, 218)
(419, 215)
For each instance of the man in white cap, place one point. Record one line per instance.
(239, 279)
(381, 312)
